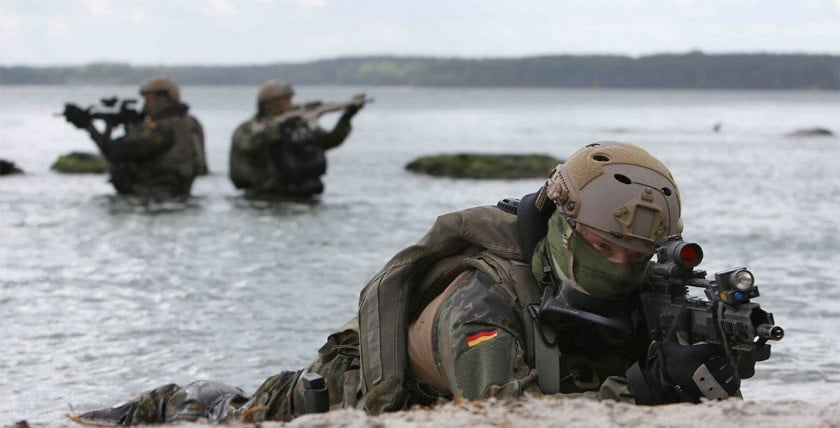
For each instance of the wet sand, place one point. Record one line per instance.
(534, 412)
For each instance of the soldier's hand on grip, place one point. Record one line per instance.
(676, 372)
(79, 117)
(357, 103)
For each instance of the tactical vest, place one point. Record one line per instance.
(185, 155)
(484, 238)
(299, 158)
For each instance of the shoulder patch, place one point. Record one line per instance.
(481, 337)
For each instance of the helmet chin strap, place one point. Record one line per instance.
(567, 242)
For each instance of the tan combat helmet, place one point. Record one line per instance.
(620, 191)
(274, 89)
(161, 84)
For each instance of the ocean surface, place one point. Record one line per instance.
(102, 297)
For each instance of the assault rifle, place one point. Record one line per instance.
(107, 111)
(310, 112)
(728, 318)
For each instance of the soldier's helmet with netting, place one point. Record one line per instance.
(620, 191)
(161, 85)
(274, 89)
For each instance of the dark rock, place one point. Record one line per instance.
(9, 167)
(80, 163)
(811, 132)
(485, 166)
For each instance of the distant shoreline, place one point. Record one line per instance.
(693, 70)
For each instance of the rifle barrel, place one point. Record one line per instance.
(770, 332)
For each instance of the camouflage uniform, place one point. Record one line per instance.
(469, 340)
(497, 302)
(480, 347)
(269, 159)
(159, 156)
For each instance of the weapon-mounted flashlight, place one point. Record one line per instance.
(736, 286)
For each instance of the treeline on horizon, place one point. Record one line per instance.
(693, 70)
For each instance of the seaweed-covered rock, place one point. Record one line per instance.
(9, 168)
(80, 163)
(811, 132)
(486, 166)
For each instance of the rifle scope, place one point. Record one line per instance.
(686, 254)
(677, 258)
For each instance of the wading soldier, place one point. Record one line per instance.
(281, 152)
(160, 153)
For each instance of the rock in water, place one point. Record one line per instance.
(485, 166)
(9, 168)
(80, 163)
(811, 132)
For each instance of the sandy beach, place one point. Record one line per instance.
(570, 412)
(536, 412)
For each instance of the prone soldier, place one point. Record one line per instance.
(542, 295)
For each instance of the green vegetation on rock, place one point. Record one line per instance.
(80, 163)
(485, 166)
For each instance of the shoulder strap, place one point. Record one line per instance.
(546, 356)
(533, 222)
(391, 296)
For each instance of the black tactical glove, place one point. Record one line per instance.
(675, 372)
(79, 117)
(354, 107)
(351, 111)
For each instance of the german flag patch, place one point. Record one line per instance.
(481, 337)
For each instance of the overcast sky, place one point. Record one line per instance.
(152, 32)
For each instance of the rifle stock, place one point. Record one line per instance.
(312, 111)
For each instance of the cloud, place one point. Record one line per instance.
(313, 4)
(137, 15)
(219, 8)
(389, 32)
(60, 29)
(10, 24)
(100, 8)
(11, 36)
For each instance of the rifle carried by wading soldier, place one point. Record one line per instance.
(112, 111)
(309, 113)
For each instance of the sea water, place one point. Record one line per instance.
(102, 297)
